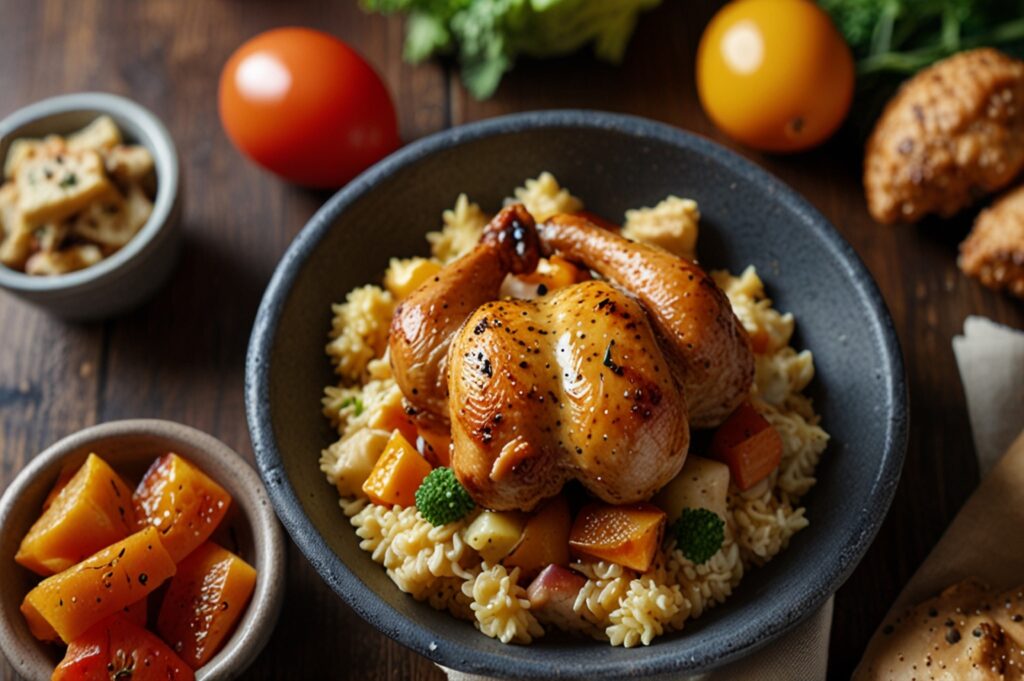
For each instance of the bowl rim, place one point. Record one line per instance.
(333, 569)
(253, 631)
(165, 156)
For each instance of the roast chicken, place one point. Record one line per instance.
(705, 344)
(598, 382)
(571, 385)
(424, 323)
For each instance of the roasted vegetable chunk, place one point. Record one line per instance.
(119, 649)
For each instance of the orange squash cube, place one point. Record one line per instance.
(749, 445)
(91, 511)
(204, 602)
(392, 417)
(545, 540)
(627, 535)
(182, 502)
(101, 585)
(118, 648)
(397, 474)
(37, 624)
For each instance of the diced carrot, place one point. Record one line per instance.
(545, 540)
(117, 648)
(204, 601)
(749, 445)
(392, 417)
(182, 502)
(627, 535)
(91, 511)
(397, 474)
(101, 585)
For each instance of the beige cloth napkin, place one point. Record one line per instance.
(986, 539)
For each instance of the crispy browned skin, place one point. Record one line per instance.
(706, 345)
(953, 133)
(424, 323)
(967, 633)
(994, 250)
(571, 385)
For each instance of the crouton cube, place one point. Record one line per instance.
(64, 261)
(100, 135)
(26, 148)
(129, 163)
(115, 220)
(51, 189)
(15, 235)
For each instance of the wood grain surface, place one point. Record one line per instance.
(181, 356)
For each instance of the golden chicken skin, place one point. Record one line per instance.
(952, 134)
(569, 386)
(703, 341)
(424, 323)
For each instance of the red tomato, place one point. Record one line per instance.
(306, 106)
(117, 648)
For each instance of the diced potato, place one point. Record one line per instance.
(397, 474)
(204, 601)
(119, 649)
(182, 502)
(100, 135)
(101, 585)
(71, 259)
(627, 535)
(702, 483)
(129, 163)
(405, 276)
(545, 540)
(51, 189)
(494, 534)
(353, 459)
(115, 220)
(92, 511)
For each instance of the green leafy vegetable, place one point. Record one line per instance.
(488, 35)
(441, 499)
(699, 534)
(904, 36)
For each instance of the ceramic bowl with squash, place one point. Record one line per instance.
(248, 529)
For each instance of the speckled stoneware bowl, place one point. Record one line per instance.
(613, 163)
(135, 272)
(250, 529)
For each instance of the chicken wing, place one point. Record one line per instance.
(705, 343)
(424, 323)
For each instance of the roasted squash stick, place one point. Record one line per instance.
(205, 600)
(117, 648)
(100, 586)
(91, 511)
(184, 504)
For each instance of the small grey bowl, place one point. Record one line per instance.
(131, 275)
(250, 529)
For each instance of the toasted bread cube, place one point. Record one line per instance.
(51, 236)
(129, 163)
(70, 259)
(27, 148)
(15, 235)
(51, 189)
(113, 221)
(100, 135)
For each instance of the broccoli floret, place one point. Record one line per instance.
(441, 499)
(699, 534)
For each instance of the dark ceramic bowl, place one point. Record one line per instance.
(613, 163)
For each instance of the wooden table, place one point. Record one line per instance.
(181, 356)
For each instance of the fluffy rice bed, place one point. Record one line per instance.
(617, 605)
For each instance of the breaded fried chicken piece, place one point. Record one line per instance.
(994, 250)
(953, 133)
